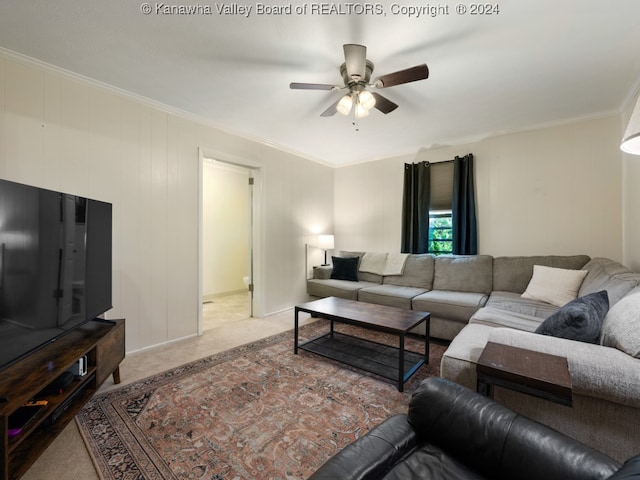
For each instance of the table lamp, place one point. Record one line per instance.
(325, 242)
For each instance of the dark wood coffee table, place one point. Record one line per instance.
(387, 361)
(535, 373)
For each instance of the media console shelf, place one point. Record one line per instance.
(102, 341)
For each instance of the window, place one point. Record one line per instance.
(440, 232)
(440, 240)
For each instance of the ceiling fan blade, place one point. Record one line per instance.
(419, 72)
(384, 104)
(331, 110)
(355, 57)
(311, 86)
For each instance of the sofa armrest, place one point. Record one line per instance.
(496, 441)
(371, 455)
(596, 371)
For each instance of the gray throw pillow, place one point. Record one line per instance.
(345, 268)
(580, 319)
(621, 326)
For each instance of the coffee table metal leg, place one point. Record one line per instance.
(426, 339)
(401, 364)
(295, 332)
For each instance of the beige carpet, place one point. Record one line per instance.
(225, 309)
(67, 457)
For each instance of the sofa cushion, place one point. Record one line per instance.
(464, 273)
(390, 295)
(373, 262)
(336, 288)
(383, 263)
(418, 272)
(349, 253)
(557, 286)
(514, 302)
(468, 344)
(345, 268)
(621, 327)
(609, 275)
(496, 317)
(451, 305)
(428, 462)
(512, 274)
(579, 320)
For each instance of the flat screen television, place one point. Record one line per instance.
(55, 266)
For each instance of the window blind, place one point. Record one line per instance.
(441, 185)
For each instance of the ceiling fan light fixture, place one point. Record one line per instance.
(366, 99)
(345, 104)
(356, 74)
(361, 112)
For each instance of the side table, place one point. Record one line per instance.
(534, 373)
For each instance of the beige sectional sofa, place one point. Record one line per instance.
(476, 299)
(451, 288)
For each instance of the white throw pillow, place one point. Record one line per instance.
(621, 327)
(557, 286)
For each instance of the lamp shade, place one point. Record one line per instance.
(361, 112)
(366, 99)
(631, 139)
(325, 242)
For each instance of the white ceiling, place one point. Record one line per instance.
(535, 63)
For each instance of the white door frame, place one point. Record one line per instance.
(256, 227)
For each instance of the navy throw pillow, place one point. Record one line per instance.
(345, 268)
(580, 319)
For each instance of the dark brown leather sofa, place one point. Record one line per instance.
(451, 432)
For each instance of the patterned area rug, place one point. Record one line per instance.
(254, 412)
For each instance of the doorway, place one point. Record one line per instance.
(226, 243)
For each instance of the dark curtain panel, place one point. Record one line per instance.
(463, 209)
(415, 208)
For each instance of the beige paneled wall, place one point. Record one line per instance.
(64, 133)
(294, 217)
(368, 199)
(555, 190)
(559, 188)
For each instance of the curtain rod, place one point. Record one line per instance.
(437, 163)
(444, 161)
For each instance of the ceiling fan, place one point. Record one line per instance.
(356, 73)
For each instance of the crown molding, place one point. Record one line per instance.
(148, 102)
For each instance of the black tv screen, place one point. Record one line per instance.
(55, 266)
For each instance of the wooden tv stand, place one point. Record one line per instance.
(102, 341)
